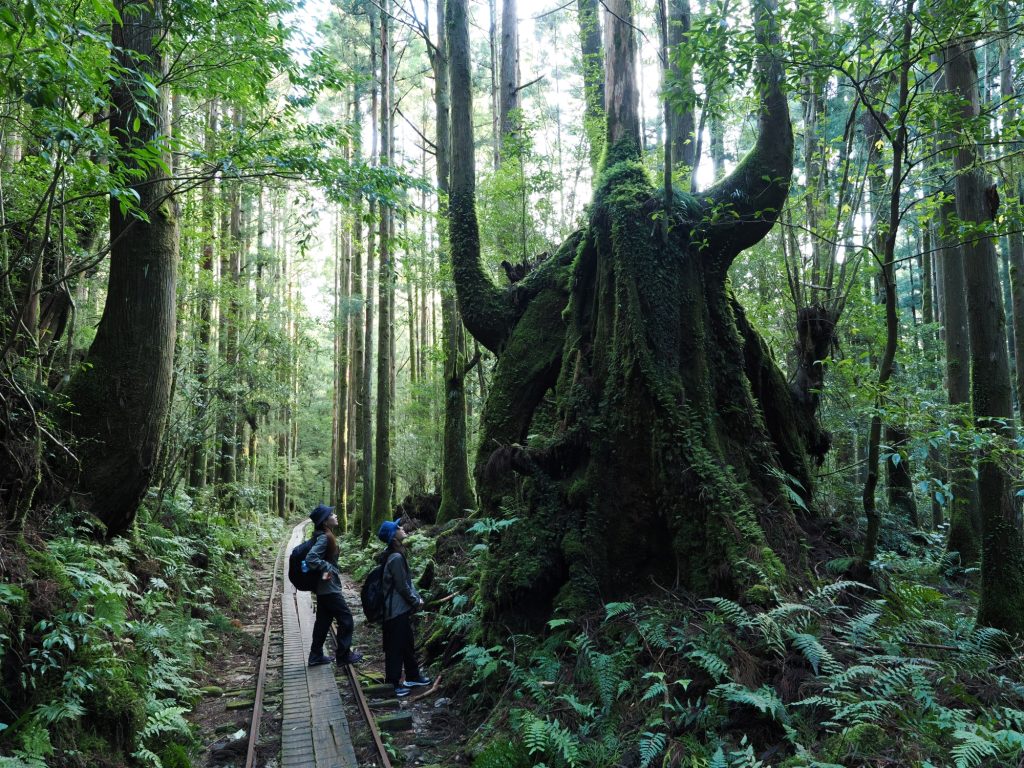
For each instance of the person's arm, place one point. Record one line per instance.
(315, 558)
(396, 571)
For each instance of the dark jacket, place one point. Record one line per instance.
(317, 560)
(400, 596)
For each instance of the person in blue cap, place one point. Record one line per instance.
(330, 602)
(400, 600)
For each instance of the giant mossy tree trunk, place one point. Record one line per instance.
(643, 420)
(121, 397)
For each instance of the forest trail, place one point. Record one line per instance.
(322, 740)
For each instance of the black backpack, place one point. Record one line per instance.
(302, 579)
(372, 595)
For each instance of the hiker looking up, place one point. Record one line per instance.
(330, 603)
(400, 600)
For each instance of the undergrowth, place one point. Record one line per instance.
(99, 641)
(836, 674)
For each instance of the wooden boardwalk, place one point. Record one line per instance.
(314, 731)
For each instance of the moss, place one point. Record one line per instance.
(175, 756)
(665, 385)
(504, 751)
(116, 713)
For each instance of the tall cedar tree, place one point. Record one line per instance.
(1002, 548)
(121, 396)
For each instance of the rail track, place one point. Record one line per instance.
(324, 741)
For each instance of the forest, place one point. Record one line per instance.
(690, 335)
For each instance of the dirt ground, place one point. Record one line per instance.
(222, 717)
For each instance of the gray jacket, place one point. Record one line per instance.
(317, 561)
(400, 596)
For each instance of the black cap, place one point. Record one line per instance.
(320, 514)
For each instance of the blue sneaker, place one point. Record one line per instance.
(421, 680)
(318, 659)
(402, 691)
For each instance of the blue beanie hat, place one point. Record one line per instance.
(387, 531)
(320, 514)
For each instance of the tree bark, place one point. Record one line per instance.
(635, 418)
(509, 93)
(683, 98)
(385, 349)
(593, 78)
(121, 398)
(456, 489)
(197, 472)
(1001, 602)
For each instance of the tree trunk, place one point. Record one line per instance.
(1002, 550)
(456, 490)
(667, 443)
(385, 349)
(593, 78)
(509, 96)
(683, 98)
(121, 397)
(197, 470)
(886, 226)
(366, 511)
(1015, 237)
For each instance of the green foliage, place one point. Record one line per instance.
(109, 667)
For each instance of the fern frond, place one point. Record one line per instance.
(731, 611)
(709, 662)
(651, 745)
(817, 655)
(611, 610)
(971, 749)
(764, 699)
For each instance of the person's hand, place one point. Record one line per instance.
(326, 576)
(420, 603)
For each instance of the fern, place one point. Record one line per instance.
(971, 749)
(823, 596)
(651, 745)
(617, 609)
(710, 663)
(732, 612)
(535, 734)
(764, 699)
(580, 708)
(147, 757)
(816, 654)
(565, 742)
(166, 719)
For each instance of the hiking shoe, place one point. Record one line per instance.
(402, 691)
(422, 680)
(316, 661)
(352, 657)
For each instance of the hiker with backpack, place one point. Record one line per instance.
(322, 558)
(400, 600)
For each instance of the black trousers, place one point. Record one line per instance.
(399, 649)
(332, 607)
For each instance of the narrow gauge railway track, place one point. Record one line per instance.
(311, 748)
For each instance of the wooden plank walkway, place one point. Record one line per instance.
(314, 731)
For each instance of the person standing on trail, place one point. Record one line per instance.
(400, 600)
(330, 602)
